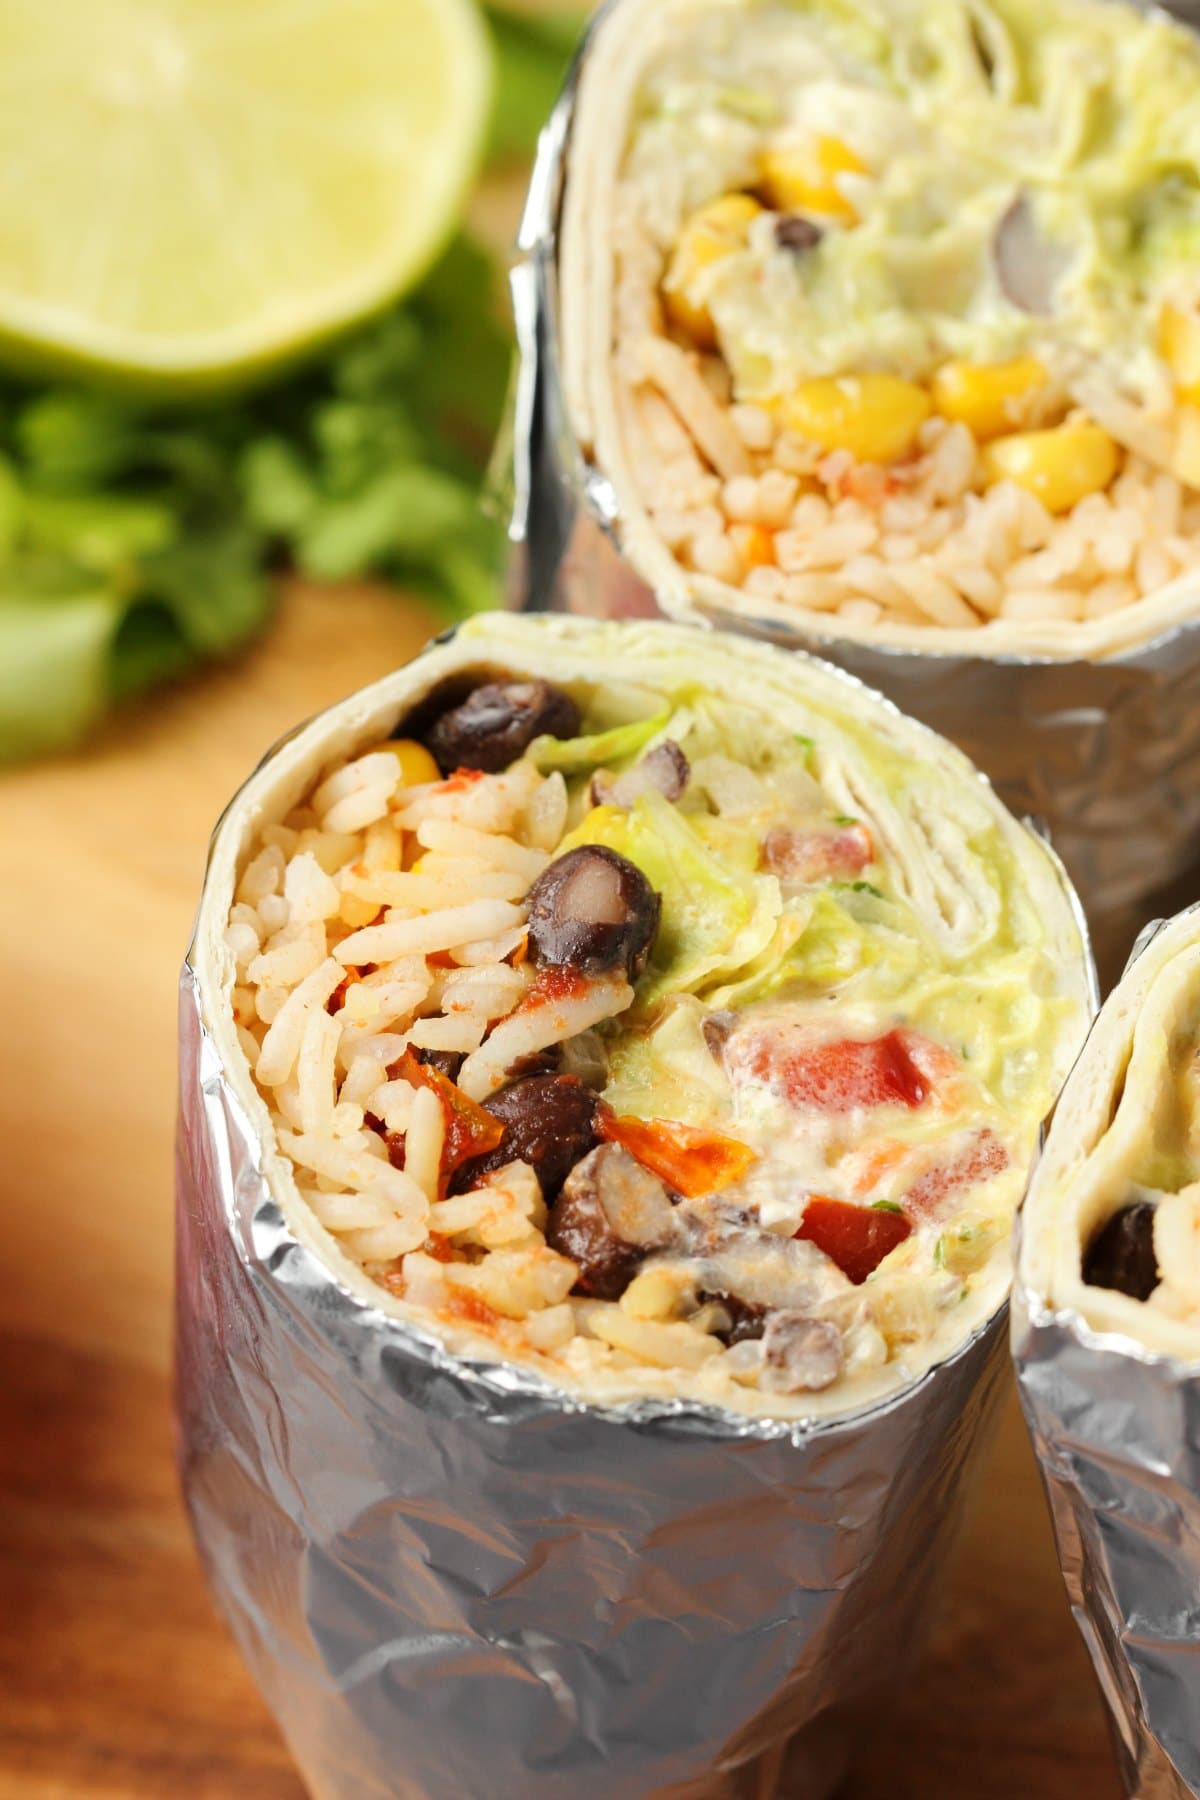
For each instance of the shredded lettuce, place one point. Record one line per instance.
(669, 1071)
(715, 917)
(618, 745)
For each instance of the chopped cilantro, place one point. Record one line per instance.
(886, 1206)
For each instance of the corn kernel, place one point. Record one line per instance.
(1060, 466)
(803, 177)
(1186, 461)
(875, 417)
(708, 237)
(416, 764)
(1179, 342)
(990, 399)
(754, 545)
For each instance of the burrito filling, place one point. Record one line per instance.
(1148, 1247)
(628, 1030)
(906, 312)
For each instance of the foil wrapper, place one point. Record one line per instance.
(1106, 752)
(1116, 1431)
(452, 1579)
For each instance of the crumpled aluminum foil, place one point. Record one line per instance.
(454, 1582)
(1107, 753)
(1116, 1431)
(451, 1582)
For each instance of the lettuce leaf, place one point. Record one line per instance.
(619, 744)
(715, 917)
(668, 1071)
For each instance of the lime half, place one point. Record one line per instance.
(192, 189)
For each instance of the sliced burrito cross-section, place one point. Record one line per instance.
(657, 1010)
(1106, 1335)
(1112, 1225)
(882, 318)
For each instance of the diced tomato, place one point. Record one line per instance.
(837, 1075)
(856, 1238)
(984, 1157)
(822, 853)
(689, 1159)
(469, 1129)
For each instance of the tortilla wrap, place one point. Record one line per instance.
(1121, 1133)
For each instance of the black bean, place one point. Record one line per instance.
(1121, 1255)
(609, 1217)
(746, 1320)
(593, 910)
(796, 233)
(446, 1062)
(496, 724)
(800, 1354)
(665, 770)
(549, 1122)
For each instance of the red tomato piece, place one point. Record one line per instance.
(469, 1129)
(822, 853)
(856, 1238)
(984, 1157)
(689, 1159)
(835, 1076)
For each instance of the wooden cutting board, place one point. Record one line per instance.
(115, 1676)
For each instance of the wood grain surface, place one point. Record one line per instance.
(115, 1676)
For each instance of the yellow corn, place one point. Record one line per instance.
(875, 417)
(600, 825)
(1187, 446)
(709, 236)
(754, 545)
(1179, 342)
(802, 177)
(990, 399)
(1060, 466)
(416, 764)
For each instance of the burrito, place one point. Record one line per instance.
(1107, 1345)
(1112, 1224)
(880, 319)
(660, 1013)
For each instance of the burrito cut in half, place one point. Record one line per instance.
(881, 318)
(1112, 1224)
(650, 1008)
